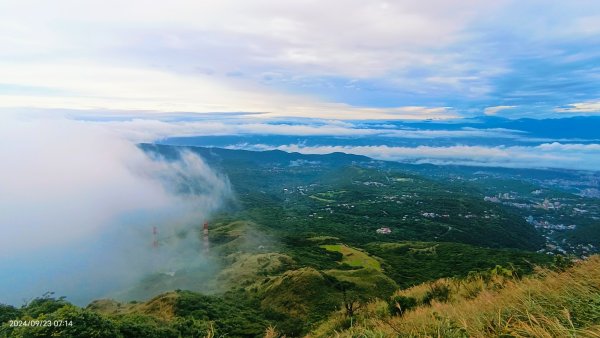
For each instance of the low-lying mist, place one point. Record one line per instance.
(78, 205)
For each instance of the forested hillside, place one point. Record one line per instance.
(314, 245)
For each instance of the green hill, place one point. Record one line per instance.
(547, 304)
(297, 252)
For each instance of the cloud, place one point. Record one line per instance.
(367, 39)
(78, 202)
(175, 56)
(301, 57)
(548, 155)
(298, 58)
(95, 87)
(141, 129)
(494, 110)
(592, 107)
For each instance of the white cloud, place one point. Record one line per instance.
(591, 107)
(174, 56)
(62, 180)
(148, 130)
(549, 155)
(91, 86)
(494, 110)
(212, 56)
(78, 203)
(369, 38)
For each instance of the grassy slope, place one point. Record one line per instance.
(354, 257)
(549, 304)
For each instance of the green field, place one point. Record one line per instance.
(354, 257)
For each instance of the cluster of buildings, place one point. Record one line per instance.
(547, 205)
(376, 184)
(581, 250)
(434, 215)
(384, 231)
(506, 199)
(547, 225)
(499, 197)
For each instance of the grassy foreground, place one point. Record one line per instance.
(547, 304)
(562, 302)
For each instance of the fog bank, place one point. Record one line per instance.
(78, 204)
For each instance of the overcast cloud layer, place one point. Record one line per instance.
(345, 59)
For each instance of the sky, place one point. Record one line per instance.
(339, 59)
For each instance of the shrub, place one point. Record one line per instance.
(400, 304)
(437, 291)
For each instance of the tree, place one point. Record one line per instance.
(8, 312)
(351, 299)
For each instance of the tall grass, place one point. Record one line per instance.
(547, 304)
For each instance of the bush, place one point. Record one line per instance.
(44, 305)
(132, 326)
(437, 291)
(8, 312)
(561, 263)
(400, 304)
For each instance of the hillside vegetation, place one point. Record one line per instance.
(496, 303)
(548, 304)
(341, 245)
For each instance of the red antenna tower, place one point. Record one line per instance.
(205, 237)
(155, 237)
